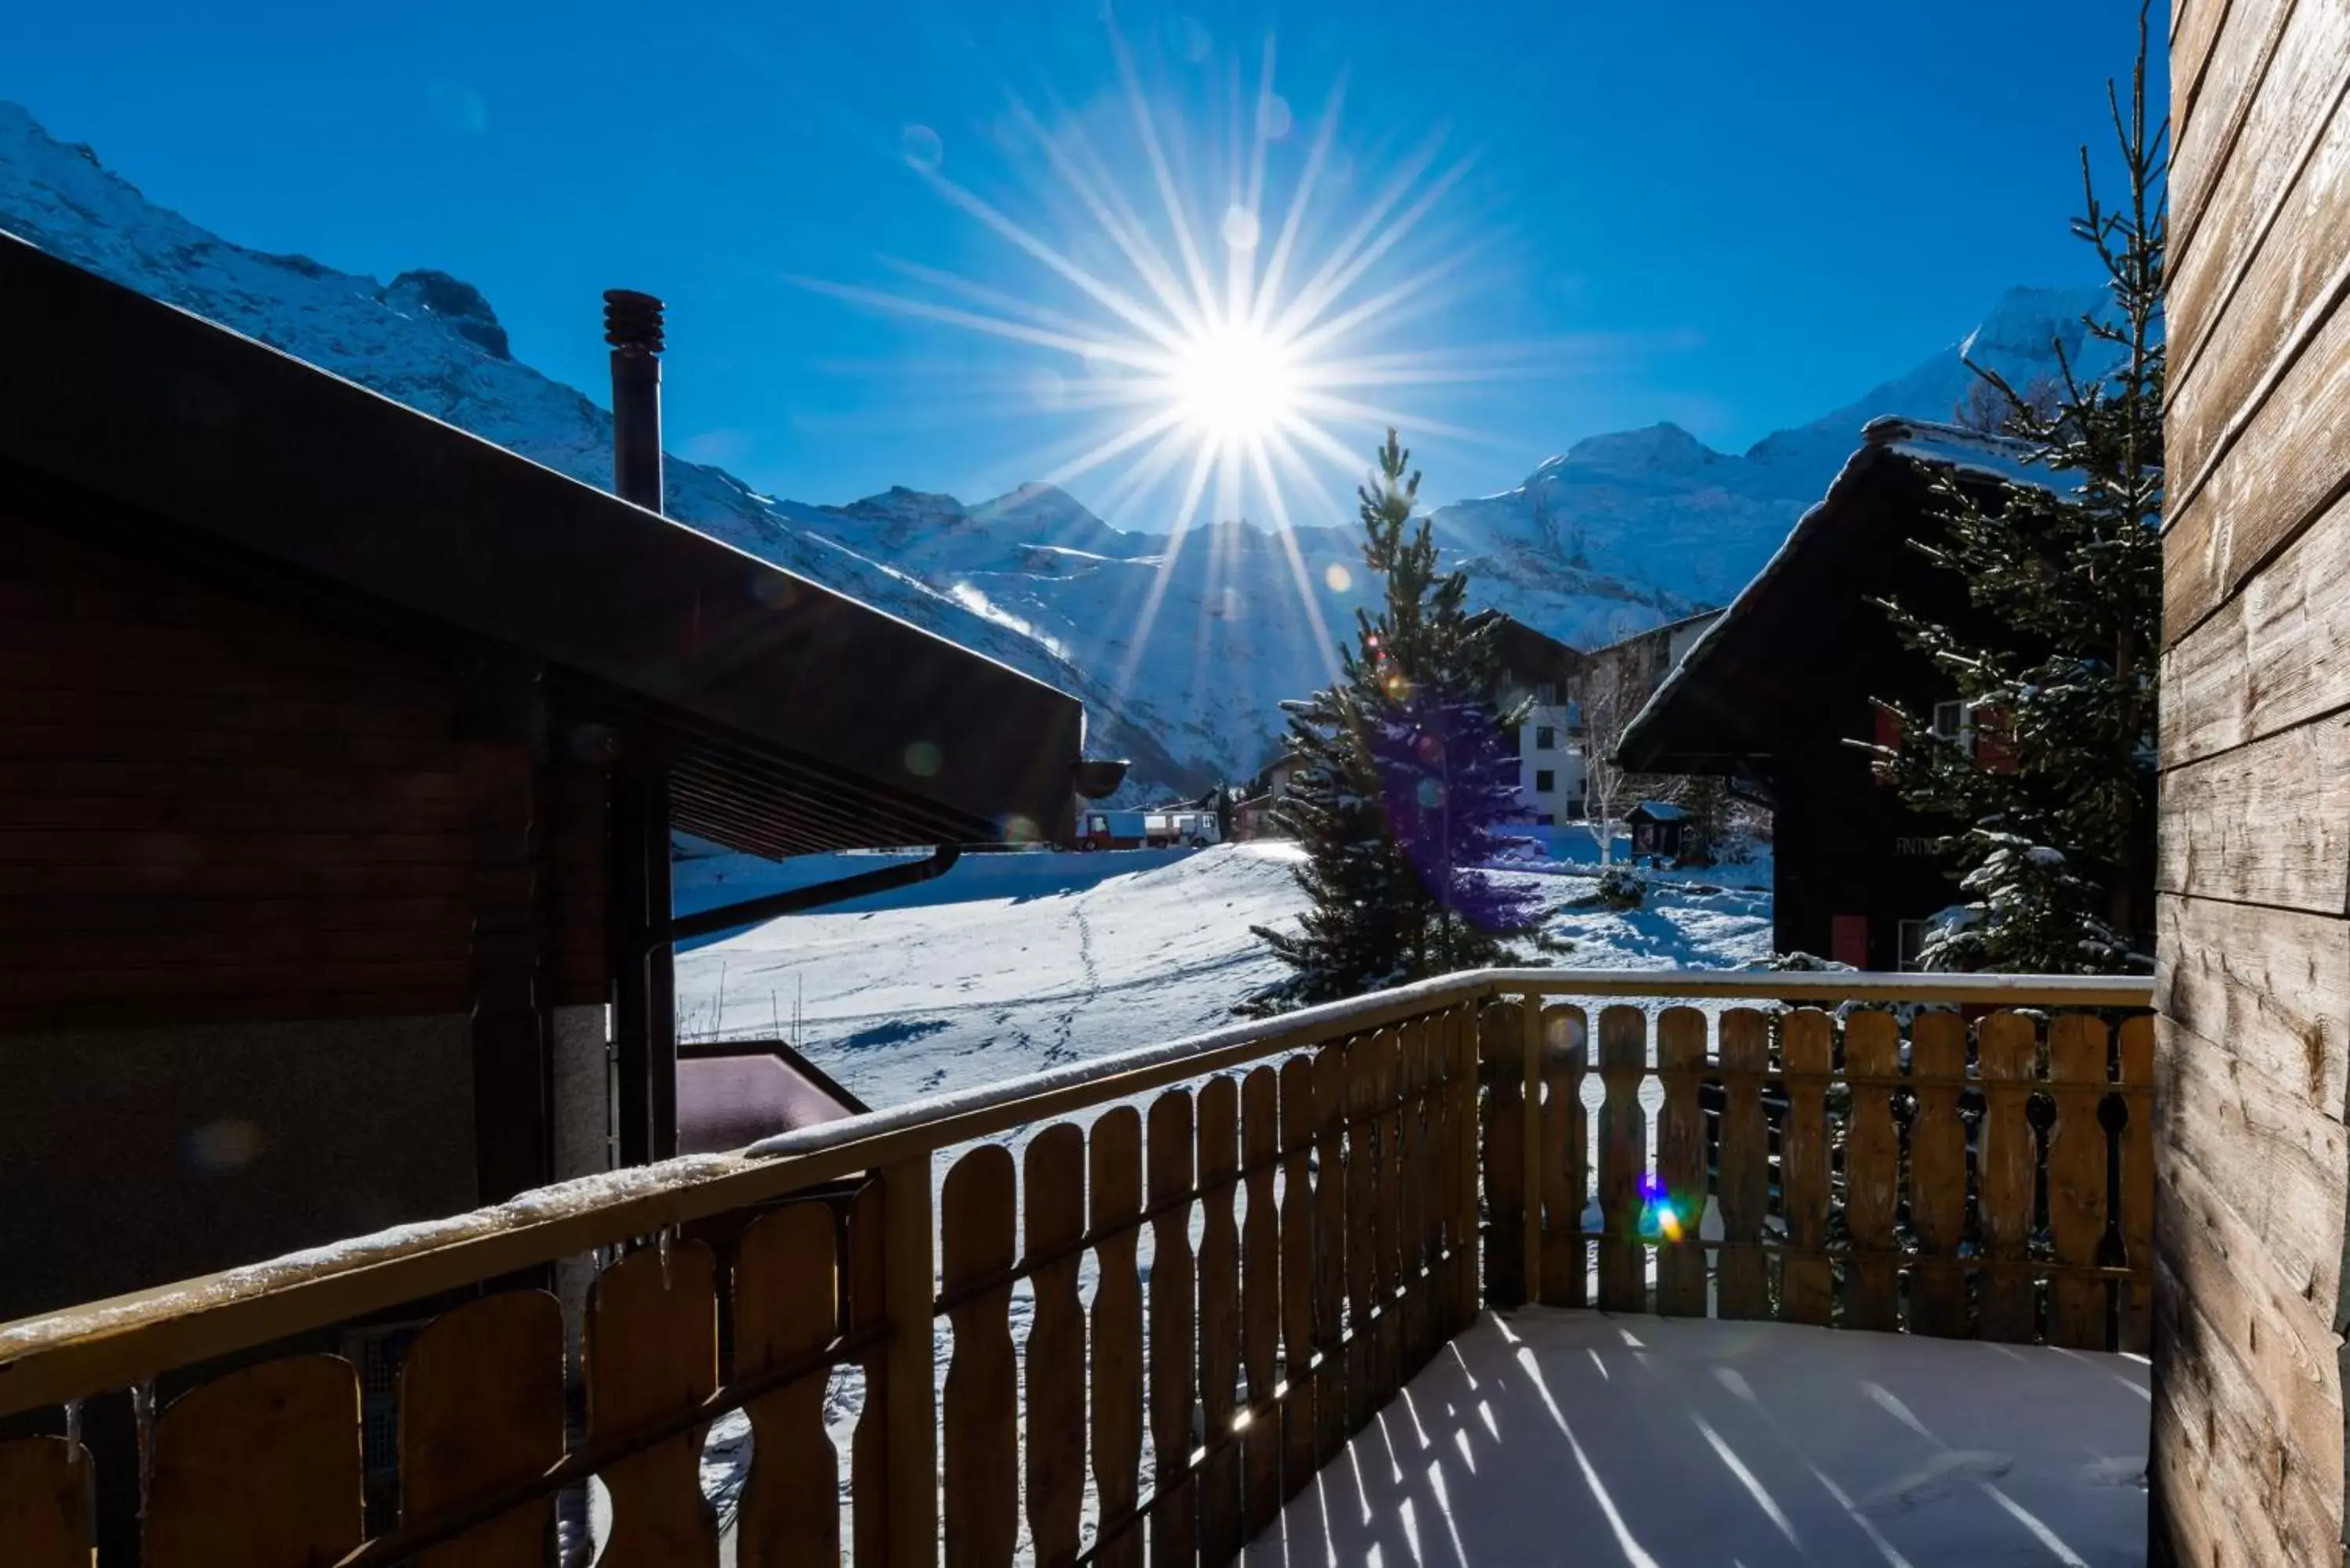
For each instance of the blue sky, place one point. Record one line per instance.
(1735, 216)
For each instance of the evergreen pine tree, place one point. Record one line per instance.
(1407, 774)
(2051, 783)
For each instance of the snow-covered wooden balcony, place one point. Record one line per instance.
(1397, 1274)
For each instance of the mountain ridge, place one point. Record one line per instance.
(1180, 656)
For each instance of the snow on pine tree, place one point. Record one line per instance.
(2052, 779)
(1407, 774)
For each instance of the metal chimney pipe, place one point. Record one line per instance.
(632, 325)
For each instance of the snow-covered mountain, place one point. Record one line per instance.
(1181, 657)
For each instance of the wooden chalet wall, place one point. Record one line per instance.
(295, 914)
(2254, 871)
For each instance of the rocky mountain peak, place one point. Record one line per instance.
(452, 302)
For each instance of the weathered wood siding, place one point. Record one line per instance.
(212, 809)
(2254, 872)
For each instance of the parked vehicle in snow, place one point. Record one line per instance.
(1167, 829)
(1099, 829)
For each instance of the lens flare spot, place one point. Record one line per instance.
(1241, 230)
(1338, 578)
(1273, 119)
(1191, 39)
(921, 149)
(223, 1144)
(922, 760)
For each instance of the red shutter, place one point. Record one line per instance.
(1992, 752)
(1889, 735)
(1848, 940)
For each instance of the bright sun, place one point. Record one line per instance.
(1234, 383)
(1227, 380)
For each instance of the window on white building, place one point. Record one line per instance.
(1546, 781)
(1545, 738)
(1547, 693)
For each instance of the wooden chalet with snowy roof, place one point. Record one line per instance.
(1775, 695)
(342, 755)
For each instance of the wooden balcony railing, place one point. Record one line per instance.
(1184, 1277)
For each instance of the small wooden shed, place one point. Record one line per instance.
(1657, 828)
(340, 756)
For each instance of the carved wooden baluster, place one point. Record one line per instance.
(1565, 1265)
(1441, 1160)
(1464, 1232)
(1872, 1158)
(2136, 1047)
(260, 1468)
(1745, 1165)
(1938, 1175)
(2005, 1046)
(868, 1311)
(1455, 1132)
(1174, 1400)
(1680, 1161)
(1500, 1038)
(979, 1428)
(2076, 1179)
(1219, 1310)
(48, 1502)
(652, 1353)
(1807, 1293)
(1298, 1266)
(1362, 1228)
(1261, 1299)
(1623, 1159)
(1331, 1240)
(1387, 1215)
(1115, 1163)
(1412, 1178)
(481, 1412)
(1054, 1183)
(787, 1311)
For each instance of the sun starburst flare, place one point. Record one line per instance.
(1238, 365)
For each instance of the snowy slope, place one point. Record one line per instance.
(1010, 964)
(1180, 657)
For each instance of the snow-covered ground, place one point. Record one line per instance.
(1010, 963)
(1574, 1437)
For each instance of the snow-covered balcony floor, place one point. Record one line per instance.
(1552, 1437)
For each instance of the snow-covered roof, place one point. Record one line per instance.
(1955, 446)
(1657, 810)
(1924, 444)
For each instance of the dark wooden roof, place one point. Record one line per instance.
(1535, 655)
(1743, 687)
(789, 711)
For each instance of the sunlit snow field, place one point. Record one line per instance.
(1014, 962)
